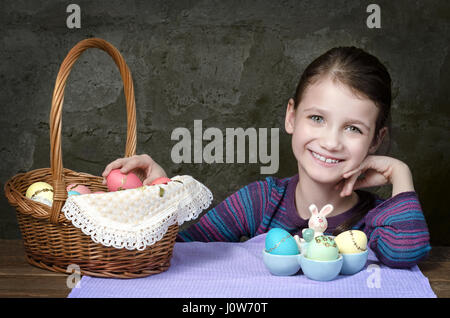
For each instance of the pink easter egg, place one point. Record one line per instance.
(80, 188)
(99, 192)
(161, 180)
(117, 180)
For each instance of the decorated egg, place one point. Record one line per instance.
(322, 248)
(280, 242)
(308, 234)
(99, 192)
(69, 193)
(351, 241)
(41, 192)
(80, 188)
(117, 180)
(161, 180)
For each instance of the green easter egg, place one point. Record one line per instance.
(322, 248)
(308, 234)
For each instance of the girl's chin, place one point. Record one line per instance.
(330, 179)
(326, 181)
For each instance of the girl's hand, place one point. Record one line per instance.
(377, 171)
(142, 165)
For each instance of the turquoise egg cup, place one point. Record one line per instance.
(353, 263)
(321, 270)
(281, 265)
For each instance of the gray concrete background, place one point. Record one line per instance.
(229, 63)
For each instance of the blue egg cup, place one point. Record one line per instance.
(281, 265)
(353, 263)
(321, 270)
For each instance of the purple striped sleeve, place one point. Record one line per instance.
(238, 215)
(397, 231)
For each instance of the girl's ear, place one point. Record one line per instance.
(289, 121)
(378, 140)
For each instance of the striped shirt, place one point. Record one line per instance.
(396, 228)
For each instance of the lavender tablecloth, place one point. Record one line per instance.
(236, 270)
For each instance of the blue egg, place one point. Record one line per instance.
(73, 193)
(281, 242)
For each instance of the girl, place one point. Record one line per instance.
(338, 119)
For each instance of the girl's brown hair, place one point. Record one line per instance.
(367, 77)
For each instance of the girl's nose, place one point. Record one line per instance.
(330, 140)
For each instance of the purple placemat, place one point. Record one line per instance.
(235, 270)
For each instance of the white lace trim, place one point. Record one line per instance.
(148, 214)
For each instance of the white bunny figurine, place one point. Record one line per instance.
(317, 220)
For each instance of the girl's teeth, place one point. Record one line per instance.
(323, 158)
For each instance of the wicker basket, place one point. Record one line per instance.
(50, 240)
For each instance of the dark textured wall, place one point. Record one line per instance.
(229, 63)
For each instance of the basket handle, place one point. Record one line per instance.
(59, 188)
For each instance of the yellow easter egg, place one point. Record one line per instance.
(41, 192)
(351, 241)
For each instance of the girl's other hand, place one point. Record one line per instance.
(142, 165)
(377, 171)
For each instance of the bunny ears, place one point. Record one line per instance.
(327, 209)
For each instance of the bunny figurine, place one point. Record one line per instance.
(318, 221)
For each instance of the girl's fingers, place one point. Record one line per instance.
(349, 173)
(147, 182)
(371, 179)
(116, 164)
(145, 175)
(368, 163)
(348, 185)
(351, 177)
(363, 166)
(135, 163)
(376, 172)
(128, 166)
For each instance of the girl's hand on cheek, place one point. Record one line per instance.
(377, 171)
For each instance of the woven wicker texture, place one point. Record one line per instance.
(50, 240)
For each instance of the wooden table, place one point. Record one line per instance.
(20, 279)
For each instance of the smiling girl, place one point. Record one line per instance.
(338, 119)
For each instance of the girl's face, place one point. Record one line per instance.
(332, 130)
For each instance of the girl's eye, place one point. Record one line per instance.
(354, 129)
(316, 118)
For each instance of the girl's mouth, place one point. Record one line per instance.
(325, 161)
